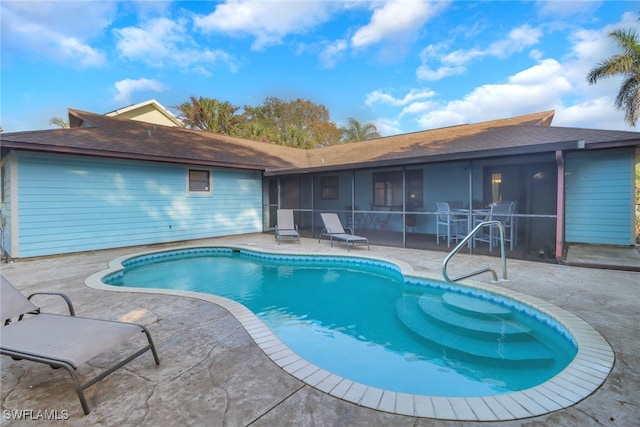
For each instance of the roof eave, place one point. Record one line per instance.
(435, 158)
(12, 145)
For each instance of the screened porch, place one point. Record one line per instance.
(402, 206)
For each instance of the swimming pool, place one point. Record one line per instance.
(387, 352)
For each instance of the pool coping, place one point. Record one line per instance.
(582, 377)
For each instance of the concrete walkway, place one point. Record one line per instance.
(213, 374)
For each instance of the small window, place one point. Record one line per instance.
(199, 180)
(329, 187)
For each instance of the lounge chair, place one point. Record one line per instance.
(286, 229)
(333, 229)
(62, 341)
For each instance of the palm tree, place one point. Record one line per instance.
(356, 131)
(626, 64)
(57, 121)
(209, 114)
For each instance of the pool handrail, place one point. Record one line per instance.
(484, 270)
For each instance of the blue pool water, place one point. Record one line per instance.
(360, 319)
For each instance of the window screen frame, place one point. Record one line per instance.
(196, 185)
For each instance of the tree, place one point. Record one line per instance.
(57, 121)
(253, 130)
(299, 123)
(356, 131)
(626, 64)
(209, 114)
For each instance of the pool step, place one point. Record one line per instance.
(474, 307)
(513, 353)
(490, 326)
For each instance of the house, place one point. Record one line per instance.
(112, 182)
(150, 111)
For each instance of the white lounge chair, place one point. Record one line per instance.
(62, 341)
(286, 229)
(334, 230)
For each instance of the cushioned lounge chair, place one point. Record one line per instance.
(286, 229)
(334, 230)
(62, 341)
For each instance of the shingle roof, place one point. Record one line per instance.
(121, 138)
(518, 135)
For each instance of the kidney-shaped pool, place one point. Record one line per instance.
(362, 321)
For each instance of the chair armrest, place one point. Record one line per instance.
(63, 296)
(349, 229)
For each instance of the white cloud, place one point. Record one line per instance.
(596, 113)
(61, 31)
(558, 84)
(380, 97)
(418, 108)
(268, 21)
(395, 18)
(387, 126)
(519, 39)
(538, 88)
(425, 73)
(566, 8)
(593, 105)
(454, 63)
(125, 88)
(332, 52)
(164, 42)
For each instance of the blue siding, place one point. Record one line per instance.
(599, 198)
(6, 204)
(70, 204)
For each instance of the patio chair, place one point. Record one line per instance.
(286, 229)
(354, 218)
(500, 211)
(333, 229)
(62, 341)
(453, 226)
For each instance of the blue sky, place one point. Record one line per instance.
(402, 65)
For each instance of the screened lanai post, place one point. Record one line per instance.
(470, 217)
(560, 207)
(404, 206)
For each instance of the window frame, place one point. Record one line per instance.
(191, 181)
(330, 187)
(387, 189)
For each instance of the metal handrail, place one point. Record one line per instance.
(484, 270)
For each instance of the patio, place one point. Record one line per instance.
(212, 373)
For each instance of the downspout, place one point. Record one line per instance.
(560, 209)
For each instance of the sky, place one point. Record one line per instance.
(403, 65)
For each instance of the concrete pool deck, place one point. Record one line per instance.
(213, 373)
